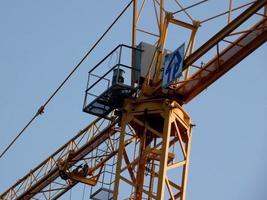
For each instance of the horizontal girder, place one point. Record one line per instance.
(225, 58)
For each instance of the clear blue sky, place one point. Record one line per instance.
(41, 41)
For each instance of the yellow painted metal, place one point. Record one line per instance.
(190, 47)
(163, 21)
(158, 124)
(141, 166)
(162, 40)
(164, 155)
(170, 127)
(161, 17)
(230, 11)
(79, 175)
(119, 158)
(134, 38)
(84, 180)
(183, 24)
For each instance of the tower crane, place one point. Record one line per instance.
(142, 134)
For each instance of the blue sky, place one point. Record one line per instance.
(41, 41)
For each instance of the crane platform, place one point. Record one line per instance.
(115, 80)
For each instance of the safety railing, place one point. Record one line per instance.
(114, 71)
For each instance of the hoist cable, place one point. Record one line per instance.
(83, 191)
(41, 109)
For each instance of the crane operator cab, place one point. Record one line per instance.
(117, 76)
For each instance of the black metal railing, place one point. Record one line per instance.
(101, 76)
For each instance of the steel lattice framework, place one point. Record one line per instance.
(148, 146)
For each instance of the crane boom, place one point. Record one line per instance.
(226, 57)
(225, 31)
(223, 61)
(44, 181)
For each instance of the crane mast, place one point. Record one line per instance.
(139, 146)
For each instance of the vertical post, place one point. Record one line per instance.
(163, 24)
(120, 52)
(164, 155)
(161, 45)
(133, 41)
(119, 158)
(161, 16)
(186, 166)
(230, 11)
(190, 50)
(87, 86)
(141, 167)
(151, 182)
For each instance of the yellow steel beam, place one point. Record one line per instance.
(164, 156)
(186, 166)
(183, 24)
(199, 81)
(119, 159)
(224, 32)
(134, 38)
(129, 167)
(169, 188)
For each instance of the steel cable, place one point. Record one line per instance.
(41, 109)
